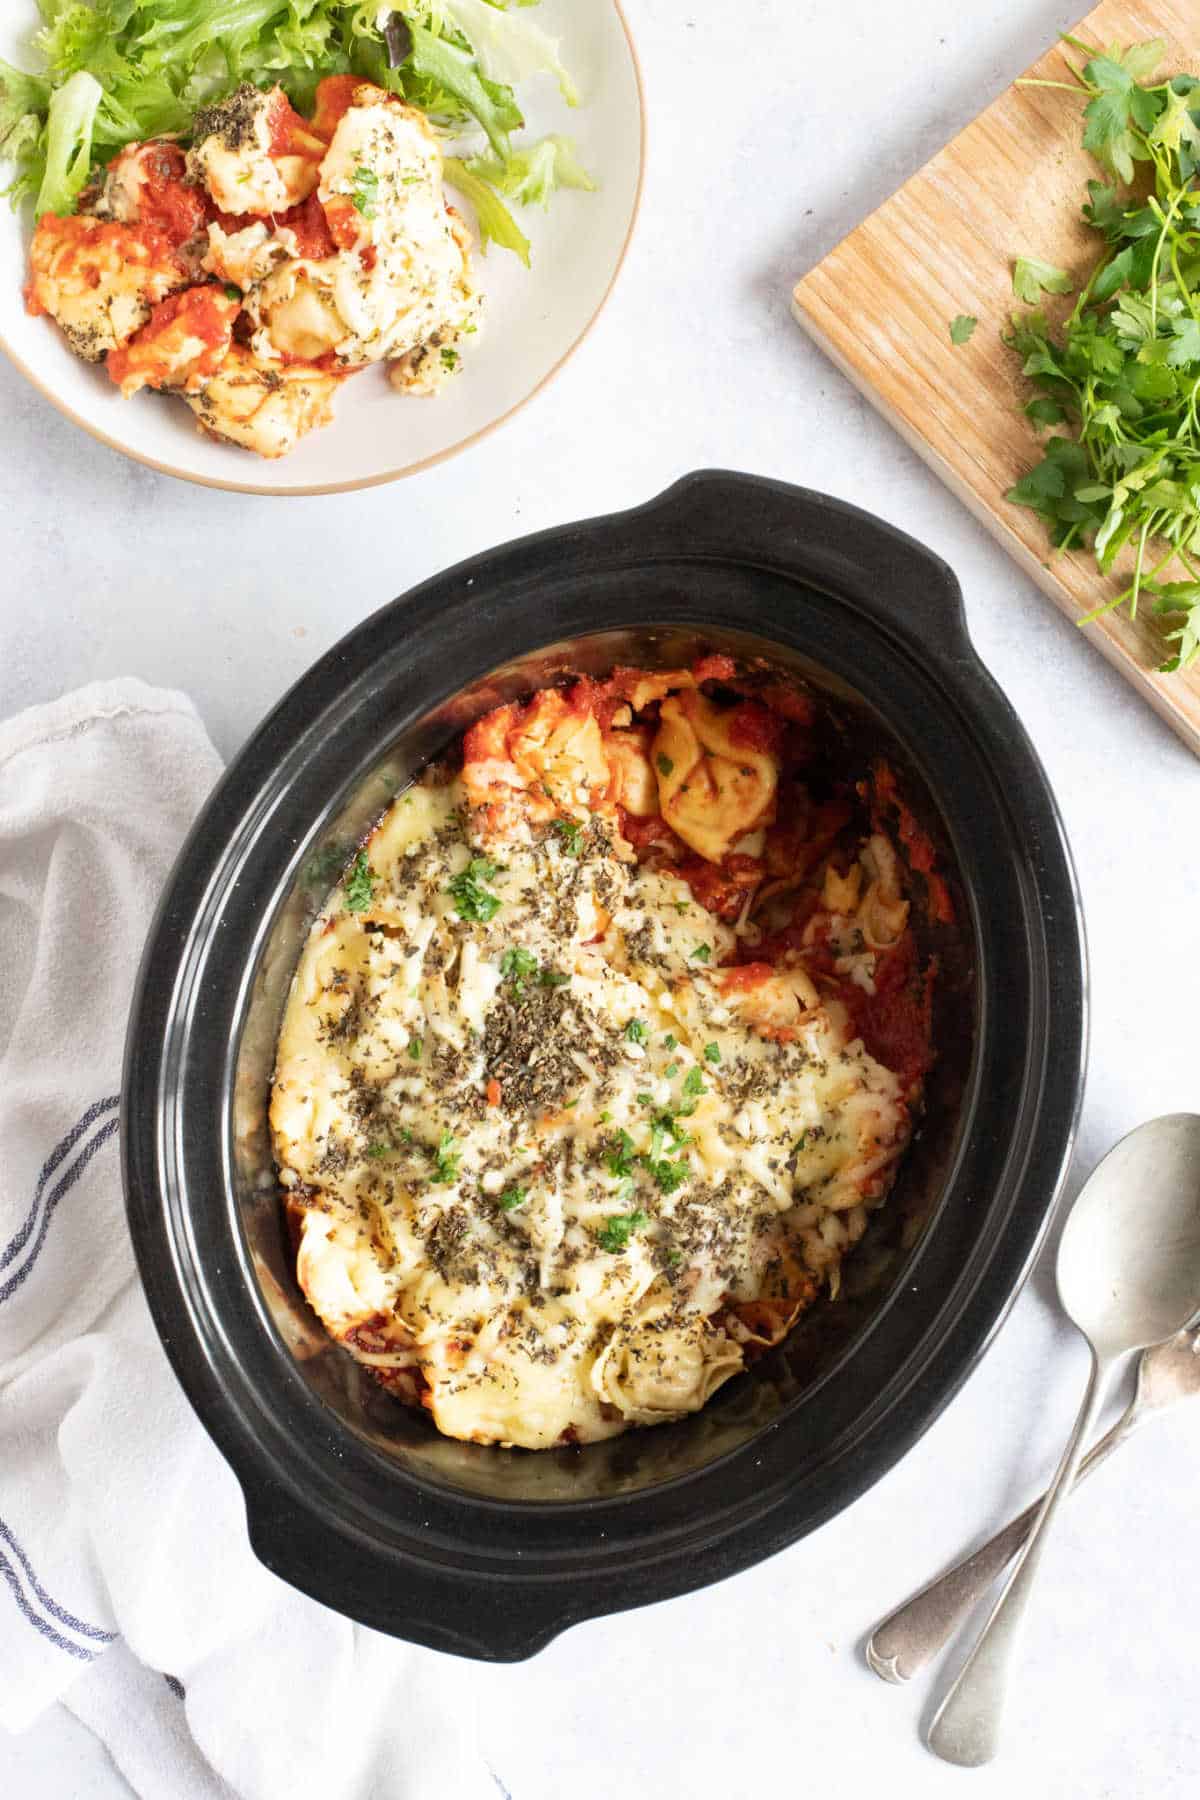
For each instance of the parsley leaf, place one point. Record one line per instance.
(712, 1053)
(618, 1157)
(378, 1150)
(570, 833)
(694, 1083)
(961, 328)
(516, 966)
(360, 884)
(512, 1197)
(702, 953)
(446, 1160)
(366, 191)
(668, 1175)
(473, 900)
(415, 1046)
(1031, 275)
(618, 1228)
(635, 1032)
(665, 765)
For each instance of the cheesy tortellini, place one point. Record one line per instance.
(278, 256)
(562, 1151)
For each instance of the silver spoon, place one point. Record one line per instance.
(909, 1637)
(1128, 1276)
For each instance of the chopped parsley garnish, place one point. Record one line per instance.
(512, 1197)
(665, 1136)
(668, 1175)
(712, 1053)
(670, 1040)
(605, 1117)
(377, 1150)
(644, 1099)
(520, 966)
(618, 1157)
(415, 1047)
(232, 292)
(449, 358)
(407, 1135)
(360, 884)
(366, 191)
(681, 907)
(672, 1070)
(702, 953)
(570, 833)
(694, 1083)
(665, 765)
(473, 900)
(517, 966)
(635, 1032)
(446, 1160)
(961, 328)
(800, 1142)
(618, 1228)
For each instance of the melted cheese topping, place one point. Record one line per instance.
(401, 275)
(542, 1147)
(99, 281)
(264, 409)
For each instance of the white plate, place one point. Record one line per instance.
(533, 318)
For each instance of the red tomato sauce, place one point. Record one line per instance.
(896, 1022)
(752, 727)
(335, 97)
(721, 888)
(165, 201)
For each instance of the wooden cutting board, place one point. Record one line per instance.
(880, 304)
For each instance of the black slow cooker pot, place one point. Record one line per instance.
(488, 1552)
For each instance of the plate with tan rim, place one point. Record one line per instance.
(532, 318)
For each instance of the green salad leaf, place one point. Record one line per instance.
(1121, 372)
(530, 176)
(114, 72)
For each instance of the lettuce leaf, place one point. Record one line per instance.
(496, 224)
(456, 72)
(510, 48)
(72, 115)
(21, 96)
(530, 176)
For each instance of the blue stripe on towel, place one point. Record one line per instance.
(52, 1606)
(108, 1130)
(39, 1624)
(60, 1150)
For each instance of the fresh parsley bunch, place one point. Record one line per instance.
(1123, 369)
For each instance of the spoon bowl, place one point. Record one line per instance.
(1129, 1257)
(1128, 1276)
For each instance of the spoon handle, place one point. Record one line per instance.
(902, 1644)
(966, 1727)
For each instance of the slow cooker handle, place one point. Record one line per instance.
(825, 543)
(401, 1595)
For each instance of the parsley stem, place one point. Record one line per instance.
(1068, 87)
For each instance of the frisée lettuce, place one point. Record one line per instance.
(114, 72)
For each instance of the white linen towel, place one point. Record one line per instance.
(123, 1548)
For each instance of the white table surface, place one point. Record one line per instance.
(774, 128)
